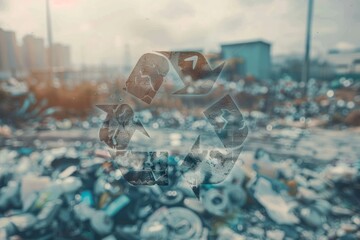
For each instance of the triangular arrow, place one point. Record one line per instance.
(191, 67)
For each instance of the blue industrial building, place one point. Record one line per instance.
(253, 57)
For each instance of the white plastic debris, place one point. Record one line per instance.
(31, 184)
(341, 173)
(322, 206)
(277, 208)
(257, 232)
(275, 234)
(312, 217)
(307, 194)
(101, 223)
(3, 234)
(348, 227)
(340, 211)
(23, 221)
(194, 204)
(68, 172)
(228, 234)
(71, 184)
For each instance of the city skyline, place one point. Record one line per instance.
(20, 58)
(98, 31)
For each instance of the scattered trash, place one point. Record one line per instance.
(285, 187)
(312, 217)
(275, 234)
(342, 173)
(278, 209)
(62, 192)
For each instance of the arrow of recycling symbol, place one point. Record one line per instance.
(117, 131)
(119, 125)
(230, 127)
(149, 72)
(192, 67)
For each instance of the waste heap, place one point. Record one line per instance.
(77, 193)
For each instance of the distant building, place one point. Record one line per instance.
(34, 53)
(10, 57)
(32, 57)
(61, 56)
(249, 58)
(346, 62)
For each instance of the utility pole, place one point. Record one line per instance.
(306, 67)
(49, 36)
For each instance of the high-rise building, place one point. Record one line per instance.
(61, 56)
(31, 57)
(253, 57)
(10, 57)
(4, 64)
(34, 53)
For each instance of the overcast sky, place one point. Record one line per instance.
(98, 30)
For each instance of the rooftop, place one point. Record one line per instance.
(246, 43)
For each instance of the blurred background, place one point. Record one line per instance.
(72, 55)
(292, 67)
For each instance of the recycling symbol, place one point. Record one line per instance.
(201, 165)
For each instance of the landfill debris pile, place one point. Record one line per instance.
(277, 191)
(78, 193)
(19, 103)
(336, 102)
